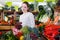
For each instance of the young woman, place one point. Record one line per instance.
(27, 18)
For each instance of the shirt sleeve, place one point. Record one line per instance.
(32, 20)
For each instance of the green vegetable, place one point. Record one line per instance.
(41, 28)
(41, 13)
(25, 30)
(9, 36)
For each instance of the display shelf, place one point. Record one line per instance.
(6, 27)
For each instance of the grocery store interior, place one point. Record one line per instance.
(29, 19)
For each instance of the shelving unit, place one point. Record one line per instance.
(5, 25)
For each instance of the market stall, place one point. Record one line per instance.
(47, 24)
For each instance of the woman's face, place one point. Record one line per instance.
(24, 7)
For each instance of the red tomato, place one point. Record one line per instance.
(51, 31)
(19, 34)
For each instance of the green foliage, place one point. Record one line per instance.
(9, 36)
(41, 28)
(41, 13)
(52, 9)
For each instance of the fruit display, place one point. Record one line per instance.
(45, 22)
(3, 22)
(12, 20)
(51, 31)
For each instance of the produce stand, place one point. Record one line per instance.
(45, 29)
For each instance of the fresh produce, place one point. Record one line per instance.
(25, 30)
(0, 33)
(41, 13)
(33, 36)
(18, 25)
(4, 22)
(9, 36)
(15, 31)
(51, 5)
(19, 34)
(41, 28)
(44, 18)
(37, 22)
(22, 38)
(12, 20)
(51, 31)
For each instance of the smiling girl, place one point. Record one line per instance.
(27, 18)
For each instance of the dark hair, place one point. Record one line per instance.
(26, 4)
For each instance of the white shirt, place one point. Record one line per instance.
(27, 19)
